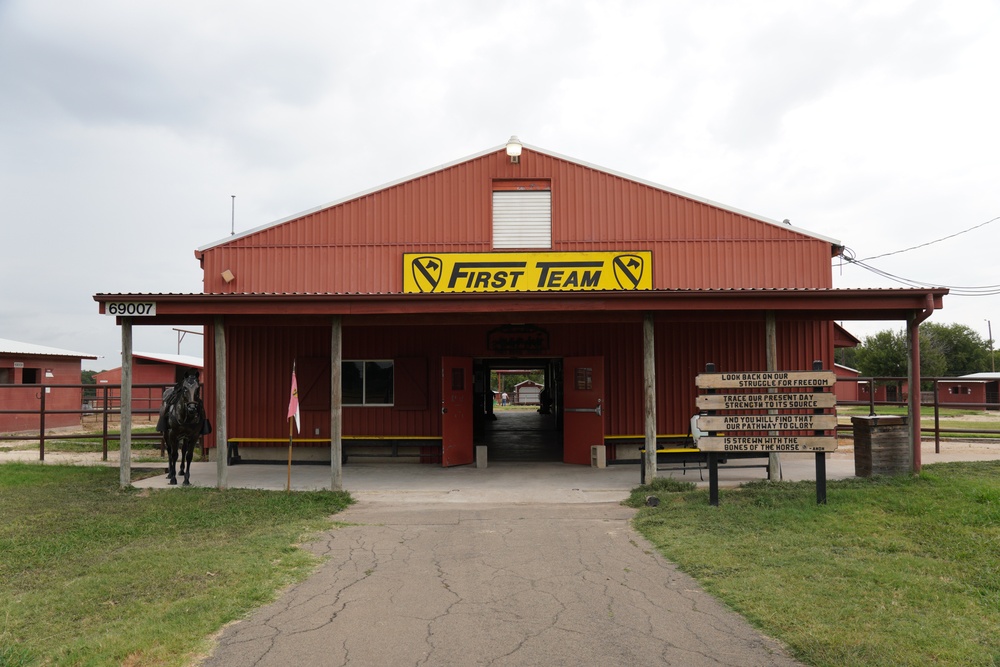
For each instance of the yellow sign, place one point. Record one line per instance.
(526, 272)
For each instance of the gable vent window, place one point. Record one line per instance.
(522, 214)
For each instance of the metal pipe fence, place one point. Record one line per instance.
(929, 398)
(101, 405)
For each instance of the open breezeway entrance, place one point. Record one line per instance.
(528, 425)
(558, 420)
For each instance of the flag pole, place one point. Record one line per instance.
(293, 420)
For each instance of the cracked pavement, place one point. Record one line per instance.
(498, 585)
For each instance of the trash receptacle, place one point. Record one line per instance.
(881, 445)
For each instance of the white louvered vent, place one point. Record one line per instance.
(522, 219)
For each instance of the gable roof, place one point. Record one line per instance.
(983, 376)
(448, 165)
(31, 349)
(174, 359)
(844, 338)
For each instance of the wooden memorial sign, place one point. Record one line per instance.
(763, 412)
(782, 401)
(767, 443)
(781, 422)
(766, 380)
(791, 409)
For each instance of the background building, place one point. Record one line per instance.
(32, 373)
(149, 368)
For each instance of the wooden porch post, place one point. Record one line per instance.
(336, 410)
(771, 342)
(125, 443)
(649, 392)
(913, 378)
(221, 435)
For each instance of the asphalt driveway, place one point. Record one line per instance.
(486, 584)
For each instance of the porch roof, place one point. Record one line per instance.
(684, 304)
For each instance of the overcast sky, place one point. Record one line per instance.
(125, 127)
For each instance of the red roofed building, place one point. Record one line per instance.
(396, 303)
(31, 374)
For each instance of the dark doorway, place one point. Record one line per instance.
(524, 429)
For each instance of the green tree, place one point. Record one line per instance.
(962, 348)
(87, 377)
(882, 354)
(846, 356)
(885, 355)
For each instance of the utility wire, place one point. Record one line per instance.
(956, 290)
(923, 245)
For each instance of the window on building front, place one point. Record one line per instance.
(522, 214)
(367, 382)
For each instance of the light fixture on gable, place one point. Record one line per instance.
(514, 149)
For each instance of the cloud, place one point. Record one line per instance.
(126, 127)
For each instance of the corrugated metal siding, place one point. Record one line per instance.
(260, 361)
(357, 246)
(684, 350)
(801, 343)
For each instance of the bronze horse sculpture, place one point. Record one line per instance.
(182, 423)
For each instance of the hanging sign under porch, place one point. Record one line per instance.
(526, 272)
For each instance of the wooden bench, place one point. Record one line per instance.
(393, 442)
(678, 452)
(685, 455)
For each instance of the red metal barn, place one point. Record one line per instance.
(963, 391)
(847, 388)
(991, 385)
(395, 304)
(163, 370)
(28, 364)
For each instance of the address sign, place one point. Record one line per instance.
(130, 308)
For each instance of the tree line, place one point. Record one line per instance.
(946, 350)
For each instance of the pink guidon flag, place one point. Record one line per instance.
(293, 402)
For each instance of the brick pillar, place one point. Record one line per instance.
(881, 445)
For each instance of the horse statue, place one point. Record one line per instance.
(182, 423)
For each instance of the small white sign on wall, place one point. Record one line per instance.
(131, 308)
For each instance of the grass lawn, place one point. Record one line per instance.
(92, 443)
(892, 571)
(925, 411)
(949, 418)
(94, 575)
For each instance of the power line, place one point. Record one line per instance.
(923, 245)
(956, 290)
